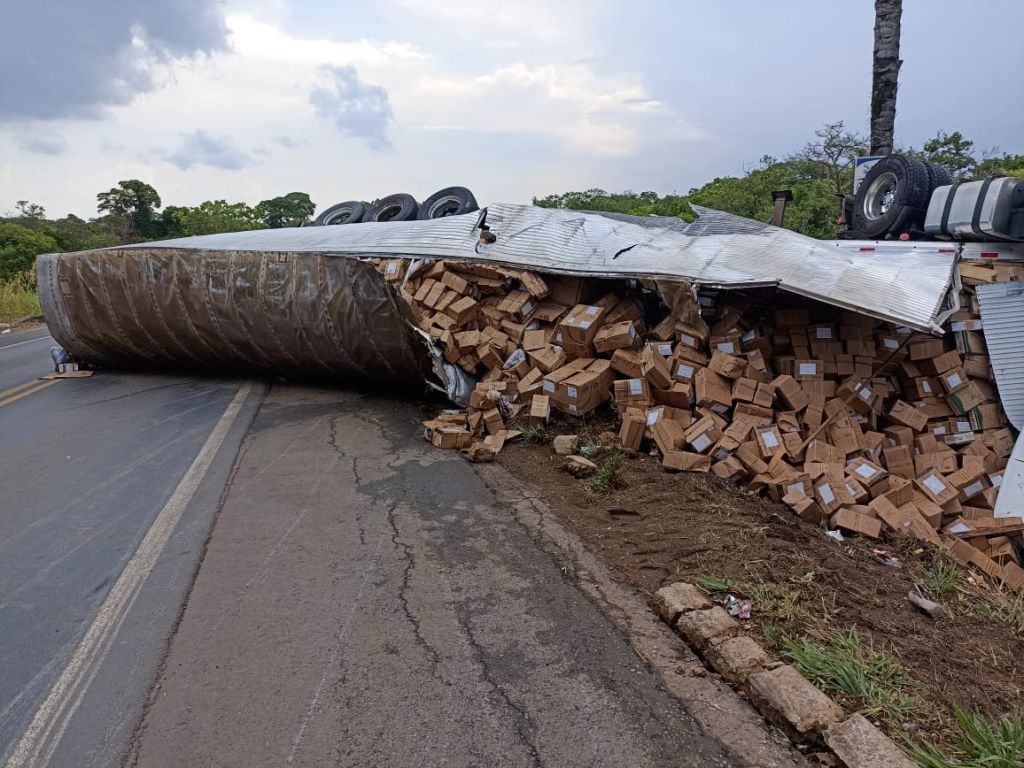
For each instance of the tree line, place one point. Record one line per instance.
(820, 176)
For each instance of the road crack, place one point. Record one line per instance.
(525, 726)
(433, 656)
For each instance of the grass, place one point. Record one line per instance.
(1002, 605)
(982, 743)
(607, 473)
(841, 663)
(533, 434)
(771, 602)
(940, 578)
(17, 300)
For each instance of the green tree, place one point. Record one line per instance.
(132, 204)
(291, 210)
(75, 234)
(834, 150)
(1003, 165)
(19, 247)
(214, 216)
(29, 210)
(951, 150)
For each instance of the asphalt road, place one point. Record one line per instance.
(211, 572)
(86, 466)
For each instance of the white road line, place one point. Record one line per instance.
(43, 734)
(19, 343)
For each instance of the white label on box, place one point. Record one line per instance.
(808, 369)
(865, 394)
(795, 487)
(826, 493)
(865, 471)
(938, 430)
(974, 488)
(769, 439)
(392, 267)
(748, 336)
(684, 371)
(997, 480)
(823, 333)
(572, 392)
(933, 484)
(953, 380)
(721, 454)
(891, 343)
(892, 443)
(958, 326)
(549, 386)
(584, 324)
(593, 310)
(701, 443)
(688, 340)
(636, 387)
(963, 426)
(665, 350)
(851, 490)
(728, 347)
(903, 331)
(558, 338)
(719, 408)
(572, 408)
(959, 528)
(632, 331)
(527, 308)
(926, 386)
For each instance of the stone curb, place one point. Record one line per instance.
(779, 692)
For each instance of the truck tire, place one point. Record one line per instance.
(450, 201)
(400, 207)
(894, 183)
(350, 212)
(939, 176)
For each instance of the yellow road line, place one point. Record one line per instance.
(24, 390)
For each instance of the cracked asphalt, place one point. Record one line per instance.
(366, 600)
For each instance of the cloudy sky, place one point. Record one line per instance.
(248, 99)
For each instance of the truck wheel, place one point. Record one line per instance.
(350, 212)
(400, 207)
(939, 176)
(894, 183)
(450, 201)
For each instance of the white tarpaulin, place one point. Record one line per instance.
(718, 250)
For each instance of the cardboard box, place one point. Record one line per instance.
(631, 433)
(519, 304)
(621, 335)
(655, 368)
(632, 392)
(826, 495)
(940, 364)
(683, 370)
(769, 441)
(852, 521)
(726, 365)
(627, 362)
(925, 349)
(907, 415)
(548, 358)
(679, 395)
(712, 390)
(808, 370)
(789, 393)
(668, 435)
(582, 323)
(967, 398)
(702, 435)
(954, 380)
(683, 461)
(744, 390)
(899, 460)
(935, 487)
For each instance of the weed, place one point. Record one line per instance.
(941, 577)
(982, 743)
(877, 682)
(1002, 605)
(18, 299)
(607, 475)
(715, 584)
(774, 602)
(533, 434)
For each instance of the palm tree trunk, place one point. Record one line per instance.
(884, 74)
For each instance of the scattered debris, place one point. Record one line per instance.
(930, 607)
(861, 426)
(737, 608)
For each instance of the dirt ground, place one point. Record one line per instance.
(657, 527)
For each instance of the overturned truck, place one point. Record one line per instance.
(814, 371)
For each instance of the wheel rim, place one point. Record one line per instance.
(446, 206)
(389, 212)
(341, 217)
(880, 196)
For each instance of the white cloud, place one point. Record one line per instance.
(357, 109)
(42, 140)
(200, 148)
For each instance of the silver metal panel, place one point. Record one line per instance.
(718, 250)
(1002, 315)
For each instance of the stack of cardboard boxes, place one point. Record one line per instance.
(792, 401)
